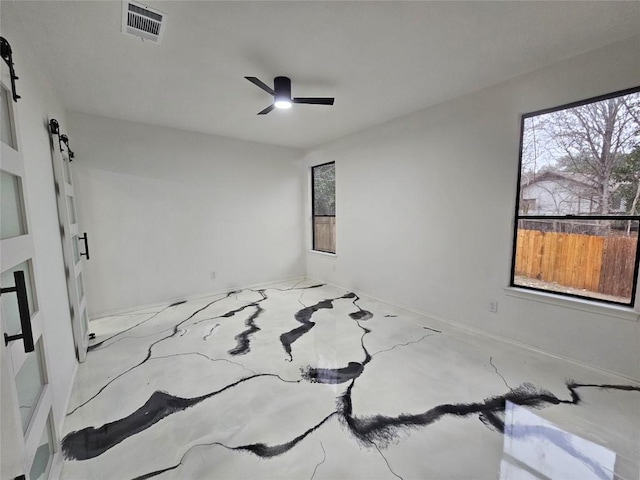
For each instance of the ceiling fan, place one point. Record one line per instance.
(281, 92)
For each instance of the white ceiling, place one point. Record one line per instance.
(380, 60)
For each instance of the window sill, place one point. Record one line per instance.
(618, 311)
(323, 254)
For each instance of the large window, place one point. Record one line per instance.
(578, 204)
(323, 205)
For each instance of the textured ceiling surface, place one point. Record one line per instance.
(380, 60)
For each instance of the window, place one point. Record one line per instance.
(323, 206)
(578, 203)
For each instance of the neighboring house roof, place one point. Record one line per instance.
(576, 178)
(569, 185)
(553, 176)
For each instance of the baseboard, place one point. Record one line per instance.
(468, 330)
(124, 310)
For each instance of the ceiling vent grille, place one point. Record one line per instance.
(142, 21)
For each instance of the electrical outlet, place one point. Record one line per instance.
(212, 275)
(493, 306)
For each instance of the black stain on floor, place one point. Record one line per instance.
(332, 375)
(243, 338)
(268, 451)
(287, 339)
(384, 429)
(361, 315)
(432, 329)
(210, 334)
(91, 442)
(303, 316)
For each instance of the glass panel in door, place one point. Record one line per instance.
(6, 126)
(74, 249)
(80, 283)
(85, 321)
(66, 169)
(12, 222)
(72, 210)
(30, 381)
(42, 460)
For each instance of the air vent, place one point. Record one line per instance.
(142, 21)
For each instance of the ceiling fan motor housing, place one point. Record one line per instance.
(282, 87)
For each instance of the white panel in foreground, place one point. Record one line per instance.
(550, 451)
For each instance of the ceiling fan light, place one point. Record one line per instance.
(283, 104)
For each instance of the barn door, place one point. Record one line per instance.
(74, 244)
(29, 437)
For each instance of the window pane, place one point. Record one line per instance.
(85, 322)
(74, 248)
(66, 171)
(71, 206)
(29, 384)
(5, 118)
(9, 301)
(583, 160)
(41, 462)
(324, 234)
(324, 189)
(588, 258)
(80, 286)
(11, 215)
(323, 178)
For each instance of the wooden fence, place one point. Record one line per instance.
(595, 263)
(324, 234)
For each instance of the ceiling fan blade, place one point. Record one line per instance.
(267, 110)
(314, 101)
(261, 84)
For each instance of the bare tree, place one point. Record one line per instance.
(535, 154)
(324, 188)
(592, 139)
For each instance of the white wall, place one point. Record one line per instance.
(425, 209)
(164, 208)
(38, 102)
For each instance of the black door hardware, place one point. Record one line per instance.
(7, 56)
(23, 308)
(86, 245)
(54, 127)
(64, 139)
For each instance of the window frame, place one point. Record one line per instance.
(518, 216)
(313, 208)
